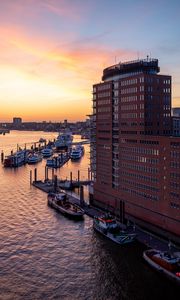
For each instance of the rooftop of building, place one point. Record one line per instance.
(148, 65)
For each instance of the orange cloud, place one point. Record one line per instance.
(40, 79)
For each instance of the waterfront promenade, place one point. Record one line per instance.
(145, 237)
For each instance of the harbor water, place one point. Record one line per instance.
(44, 255)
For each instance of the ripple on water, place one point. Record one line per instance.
(47, 256)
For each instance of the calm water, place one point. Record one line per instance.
(43, 255)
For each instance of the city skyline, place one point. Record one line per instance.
(52, 52)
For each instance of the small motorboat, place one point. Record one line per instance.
(60, 202)
(34, 158)
(108, 226)
(164, 262)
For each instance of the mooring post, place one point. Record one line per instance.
(78, 176)
(82, 195)
(45, 174)
(35, 174)
(55, 183)
(2, 156)
(30, 177)
(52, 173)
(71, 178)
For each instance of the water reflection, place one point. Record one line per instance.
(47, 256)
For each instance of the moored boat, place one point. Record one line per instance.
(60, 202)
(77, 152)
(34, 158)
(64, 140)
(57, 160)
(16, 160)
(108, 226)
(47, 152)
(164, 262)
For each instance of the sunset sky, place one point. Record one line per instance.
(53, 51)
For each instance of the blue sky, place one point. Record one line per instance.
(53, 51)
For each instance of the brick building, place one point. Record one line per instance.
(134, 157)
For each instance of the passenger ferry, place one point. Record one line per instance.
(108, 226)
(16, 160)
(77, 152)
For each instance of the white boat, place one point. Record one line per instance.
(17, 159)
(34, 158)
(108, 227)
(64, 140)
(47, 152)
(77, 152)
(60, 202)
(164, 262)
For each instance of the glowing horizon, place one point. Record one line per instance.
(53, 51)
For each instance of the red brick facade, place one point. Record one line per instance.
(137, 160)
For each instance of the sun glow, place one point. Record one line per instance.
(52, 52)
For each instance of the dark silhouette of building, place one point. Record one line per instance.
(17, 121)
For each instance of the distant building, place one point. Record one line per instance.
(134, 157)
(176, 121)
(176, 126)
(17, 121)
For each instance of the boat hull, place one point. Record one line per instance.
(123, 238)
(65, 212)
(159, 268)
